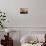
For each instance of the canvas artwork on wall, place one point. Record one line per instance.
(23, 10)
(27, 11)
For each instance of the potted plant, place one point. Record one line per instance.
(2, 19)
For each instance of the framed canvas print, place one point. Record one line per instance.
(23, 10)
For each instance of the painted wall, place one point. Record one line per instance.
(38, 18)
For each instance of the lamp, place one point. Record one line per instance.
(7, 31)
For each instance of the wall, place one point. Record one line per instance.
(38, 18)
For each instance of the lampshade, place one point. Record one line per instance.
(7, 30)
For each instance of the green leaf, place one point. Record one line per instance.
(4, 13)
(2, 26)
(0, 12)
(3, 19)
(4, 16)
